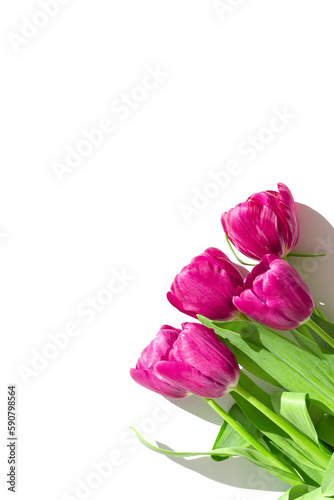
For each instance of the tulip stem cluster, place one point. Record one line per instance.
(303, 441)
(244, 433)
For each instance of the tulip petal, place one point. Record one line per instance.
(172, 299)
(289, 211)
(150, 381)
(258, 270)
(190, 379)
(266, 223)
(253, 229)
(159, 347)
(250, 305)
(206, 286)
(275, 295)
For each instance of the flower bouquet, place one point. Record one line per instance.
(240, 319)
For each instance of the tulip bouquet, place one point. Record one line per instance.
(240, 319)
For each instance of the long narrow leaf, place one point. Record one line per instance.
(306, 342)
(250, 364)
(267, 463)
(306, 363)
(326, 325)
(327, 350)
(327, 487)
(319, 313)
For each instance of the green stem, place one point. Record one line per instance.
(304, 442)
(291, 254)
(235, 255)
(320, 332)
(237, 427)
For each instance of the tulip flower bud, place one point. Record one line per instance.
(206, 286)
(193, 360)
(274, 294)
(266, 223)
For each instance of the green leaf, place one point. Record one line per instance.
(292, 406)
(326, 325)
(314, 495)
(296, 492)
(293, 367)
(306, 363)
(257, 360)
(267, 463)
(310, 493)
(325, 429)
(327, 487)
(301, 334)
(319, 313)
(250, 365)
(229, 438)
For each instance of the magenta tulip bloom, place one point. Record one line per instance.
(266, 223)
(206, 286)
(193, 360)
(274, 294)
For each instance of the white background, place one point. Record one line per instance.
(225, 76)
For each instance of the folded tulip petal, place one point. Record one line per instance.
(150, 381)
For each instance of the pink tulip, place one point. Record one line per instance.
(274, 294)
(193, 360)
(266, 223)
(206, 286)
